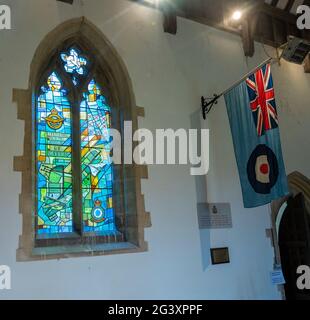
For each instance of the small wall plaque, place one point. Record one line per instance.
(220, 255)
(277, 276)
(214, 216)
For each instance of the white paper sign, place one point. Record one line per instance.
(277, 276)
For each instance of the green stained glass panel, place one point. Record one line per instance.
(96, 166)
(54, 159)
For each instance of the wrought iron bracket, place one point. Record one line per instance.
(207, 104)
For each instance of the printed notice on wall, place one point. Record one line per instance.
(214, 215)
(276, 276)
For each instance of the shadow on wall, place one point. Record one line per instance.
(201, 197)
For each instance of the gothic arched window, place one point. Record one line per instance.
(74, 172)
(81, 201)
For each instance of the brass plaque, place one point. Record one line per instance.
(220, 255)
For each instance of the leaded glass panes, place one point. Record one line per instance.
(97, 170)
(53, 154)
(56, 145)
(74, 64)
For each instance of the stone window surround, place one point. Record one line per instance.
(110, 61)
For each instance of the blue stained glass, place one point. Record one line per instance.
(74, 63)
(54, 132)
(75, 81)
(97, 170)
(53, 159)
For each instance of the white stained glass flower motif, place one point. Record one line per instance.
(74, 62)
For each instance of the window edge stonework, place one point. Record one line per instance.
(25, 100)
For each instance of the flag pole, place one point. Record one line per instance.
(208, 103)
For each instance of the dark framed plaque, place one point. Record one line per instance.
(220, 255)
(214, 216)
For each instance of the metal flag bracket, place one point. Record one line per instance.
(208, 103)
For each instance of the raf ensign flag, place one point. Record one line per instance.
(252, 113)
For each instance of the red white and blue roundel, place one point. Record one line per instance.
(98, 213)
(263, 169)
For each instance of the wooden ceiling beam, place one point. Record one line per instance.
(247, 37)
(66, 1)
(170, 19)
(265, 23)
(307, 64)
(276, 12)
(289, 5)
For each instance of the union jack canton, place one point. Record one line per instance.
(262, 100)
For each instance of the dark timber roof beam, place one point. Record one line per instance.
(66, 1)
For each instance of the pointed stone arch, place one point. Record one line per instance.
(88, 35)
(298, 183)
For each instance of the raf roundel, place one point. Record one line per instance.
(98, 213)
(263, 169)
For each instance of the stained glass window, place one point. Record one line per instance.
(74, 64)
(97, 171)
(56, 138)
(54, 169)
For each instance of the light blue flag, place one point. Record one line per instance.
(253, 120)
